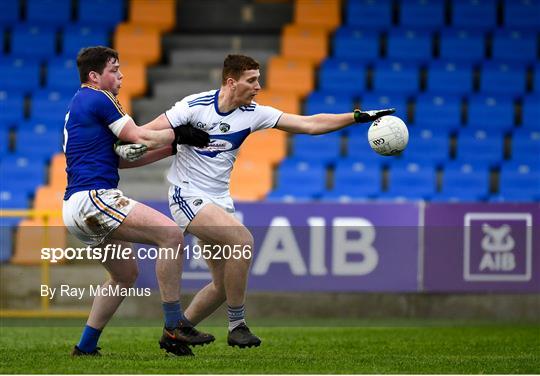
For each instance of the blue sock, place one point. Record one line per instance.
(173, 314)
(89, 339)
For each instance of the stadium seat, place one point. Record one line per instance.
(531, 111)
(134, 81)
(522, 14)
(159, 15)
(9, 12)
(11, 108)
(369, 14)
(356, 44)
(63, 76)
(358, 147)
(427, 145)
(515, 45)
(490, 112)
(462, 45)
(409, 45)
(75, 37)
(474, 14)
(396, 77)
(48, 12)
(422, 13)
(292, 75)
(90, 12)
(519, 181)
(374, 101)
(536, 78)
(304, 42)
(321, 14)
(412, 181)
(128, 39)
(503, 78)
(49, 141)
(450, 78)
(50, 106)
(438, 111)
(299, 179)
(49, 198)
(10, 200)
(323, 102)
(324, 149)
(4, 141)
(22, 173)
(32, 235)
(480, 146)
(33, 42)
(250, 180)
(57, 172)
(354, 180)
(342, 76)
(464, 181)
(19, 75)
(285, 101)
(526, 146)
(268, 146)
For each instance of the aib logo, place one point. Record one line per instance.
(497, 245)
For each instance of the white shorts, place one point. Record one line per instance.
(184, 207)
(92, 215)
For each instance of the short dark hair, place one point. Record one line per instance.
(235, 65)
(94, 59)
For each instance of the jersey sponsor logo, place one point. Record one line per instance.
(224, 127)
(221, 143)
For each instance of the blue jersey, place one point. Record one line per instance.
(94, 119)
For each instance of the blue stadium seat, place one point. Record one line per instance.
(20, 75)
(526, 146)
(474, 14)
(462, 45)
(354, 180)
(91, 12)
(427, 145)
(63, 76)
(9, 12)
(396, 77)
(11, 108)
(374, 101)
(299, 179)
(325, 102)
(531, 111)
(48, 12)
(522, 14)
(77, 36)
(369, 14)
(451, 78)
(22, 174)
(422, 13)
(50, 106)
(412, 181)
(409, 45)
(341, 76)
(4, 141)
(480, 147)
(536, 78)
(28, 139)
(438, 111)
(515, 45)
(355, 44)
(34, 42)
(464, 181)
(491, 112)
(358, 148)
(502, 78)
(519, 182)
(323, 149)
(9, 199)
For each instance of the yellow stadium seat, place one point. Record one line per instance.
(269, 146)
(134, 81)
(57, 172)
(325, 14)
(31, 236)
(291, 75)
(160, 14)
(49, 198)
(250, 180)
(138, 43)
(304, 42)
(284, 101)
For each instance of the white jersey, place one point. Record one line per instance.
(208, 169)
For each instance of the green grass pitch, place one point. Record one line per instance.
(346, 347)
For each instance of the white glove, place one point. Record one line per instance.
(130, 152)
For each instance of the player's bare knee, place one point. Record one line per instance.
(127, 278)
(172, 238)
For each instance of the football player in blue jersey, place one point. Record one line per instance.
(98, 214)
(199, 195)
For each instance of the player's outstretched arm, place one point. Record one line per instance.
(325, 123)
(145, 158)
(153, 139)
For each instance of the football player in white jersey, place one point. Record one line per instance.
(199, 196)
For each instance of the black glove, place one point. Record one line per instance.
(189, 135)
(367, 116)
